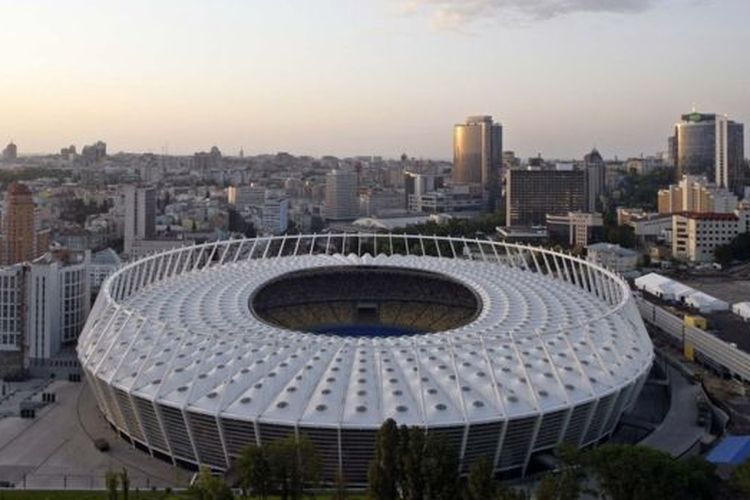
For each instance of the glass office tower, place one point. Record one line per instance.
(710, 145)
(478, 156)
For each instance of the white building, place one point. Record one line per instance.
(342, 202)
(613, 257)
(58, 299)
(11, 295)
(695, 236)
(275, 215)
(651, 226)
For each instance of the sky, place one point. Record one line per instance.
(359, 77)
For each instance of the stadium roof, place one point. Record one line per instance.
(539, 344)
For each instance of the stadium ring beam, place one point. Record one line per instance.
(184, 366)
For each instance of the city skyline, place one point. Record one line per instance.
(386, 77)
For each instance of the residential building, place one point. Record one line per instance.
(341, 200)
(478, 156)
(22, 241)
(140, 215)
(696, 194)
(532, 194)
(613, 257)
(710, 145)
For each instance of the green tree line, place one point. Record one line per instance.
(412, 464)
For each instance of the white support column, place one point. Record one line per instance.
(537, 426)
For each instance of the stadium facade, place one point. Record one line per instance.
(196, 353)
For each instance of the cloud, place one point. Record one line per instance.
(454, 14)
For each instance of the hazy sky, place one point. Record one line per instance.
(366, 76)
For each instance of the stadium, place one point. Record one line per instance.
(507, 350)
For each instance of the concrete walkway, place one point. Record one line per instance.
(679, 431)
(56, 450)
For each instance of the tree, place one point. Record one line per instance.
(636, 472)
(737, 249)
(481, 483)
(111, 480)
(383, 473)
(564, 483)
(125, 482)
(340, 491)
(740, 478)
(210, 487)
(255, 472)
(293, 463)
(411, 450)
(439, 469)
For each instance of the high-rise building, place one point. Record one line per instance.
(478, 156)
(275, 215)
(140, 215)
(204, 162)
(94, 153)
(342, 202)
(58, 298)
(710, 145)
(242, 197)
(532, 194)
(21, 240)
(12, 326)
(43, 306)
(596, 175)
(10, 152)
(695, 194)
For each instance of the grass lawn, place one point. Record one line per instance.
(102, 495)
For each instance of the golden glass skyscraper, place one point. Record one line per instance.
(478, 156)
(19, 231)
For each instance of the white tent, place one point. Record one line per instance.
(742, 309)
(663, 287)
(706, 303)
(652, 283)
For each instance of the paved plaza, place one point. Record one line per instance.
(56, 450)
